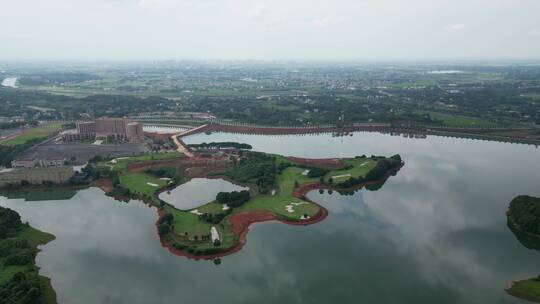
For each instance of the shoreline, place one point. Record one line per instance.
(242, 221)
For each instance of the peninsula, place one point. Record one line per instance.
(277, 191)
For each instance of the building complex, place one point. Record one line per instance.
(117, 129)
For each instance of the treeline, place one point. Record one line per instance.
(381, 169)
(221, 145)
(24, 286)
(525, 213)
(233, 200)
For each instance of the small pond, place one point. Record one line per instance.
(198, 192)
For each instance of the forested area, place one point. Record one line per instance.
(525, 213)
(24, 285)
(258, 169)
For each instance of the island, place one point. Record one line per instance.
(524, 221)
(277, 188)
(20, 281)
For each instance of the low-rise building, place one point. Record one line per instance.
(36, 162)
(38, 175)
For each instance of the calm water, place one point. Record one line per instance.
(435, 233)
(198, 192)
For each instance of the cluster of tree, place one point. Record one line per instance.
(213, 218)
(381, 169)
(317, 172)
(23, 288)
(166, 224)
(25, 285)
(162, 172)
(233, 199)
(525, 212)
(222, 145)
(10, 223)
(11, 125)
(256, 168)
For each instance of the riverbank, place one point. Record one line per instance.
(240, 222)
(20, 281)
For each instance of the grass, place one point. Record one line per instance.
(34, 133)
(360, 167)
(138, 183)
(188, 222)
(461, 120)
(283, 197)
(526, 289)
(187, 225)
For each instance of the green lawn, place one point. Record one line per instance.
(527, 289)
(142, 183)
(361, 166)
(39, 132)
(277, 203)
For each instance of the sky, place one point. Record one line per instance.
(269, 29)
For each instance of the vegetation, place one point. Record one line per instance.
(256, 169)
(526, 289)
(19, 278)
(33, 135)
(272, 180)
(524, 214)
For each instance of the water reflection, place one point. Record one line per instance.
(197, 192)
(436, 232)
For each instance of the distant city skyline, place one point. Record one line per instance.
(310, 30)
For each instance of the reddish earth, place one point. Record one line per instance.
(327, 163)
(240, 226)
(177, 162)
(104, 184)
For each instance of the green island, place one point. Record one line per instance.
(20, 281)
(277, 187)
(524, 221)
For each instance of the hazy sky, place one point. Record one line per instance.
(269, 29)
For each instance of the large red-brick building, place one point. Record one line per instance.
(109, 129)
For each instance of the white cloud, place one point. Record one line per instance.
(324, 21)
(258, 10)
(455, 27)
(534, 32)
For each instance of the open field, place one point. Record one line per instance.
(143, 184)
(34, 133)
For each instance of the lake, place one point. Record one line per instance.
(434, 233)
